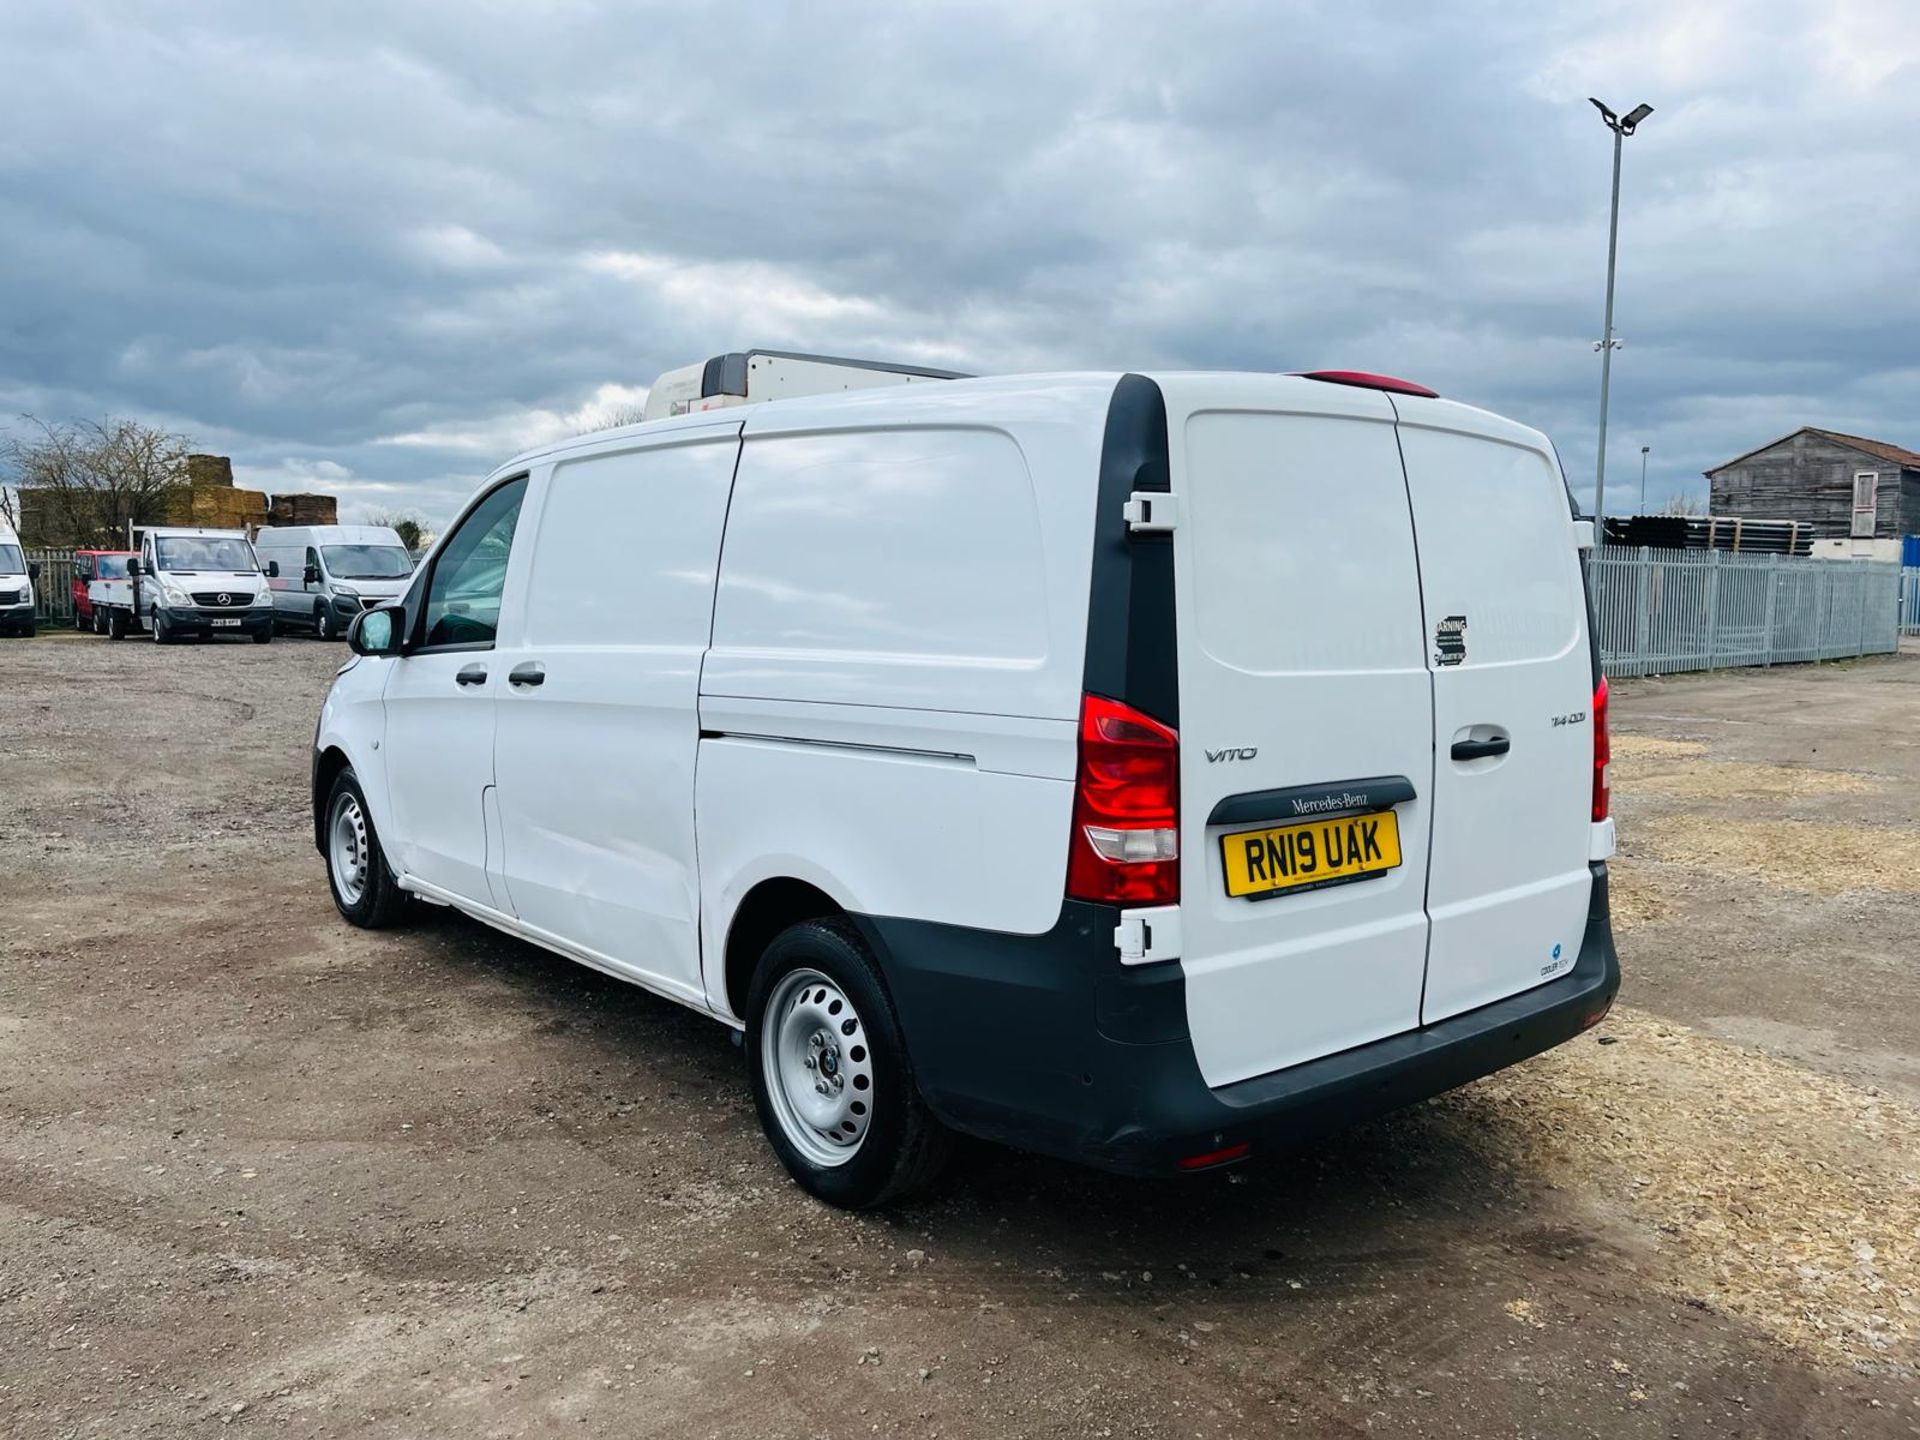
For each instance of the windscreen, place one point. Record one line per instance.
(367, 562)
(12, 562)
(187, 553)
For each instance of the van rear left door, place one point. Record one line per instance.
(1304, 700)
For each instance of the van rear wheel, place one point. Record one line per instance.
(831, 1078)
(363, 885)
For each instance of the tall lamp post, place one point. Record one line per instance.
(1643, 477)
(1621, 126)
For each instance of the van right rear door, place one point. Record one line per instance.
(1306, 721)
(1509, 885)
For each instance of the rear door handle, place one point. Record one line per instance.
(472, 675)
(1481, 749)
(531, 673)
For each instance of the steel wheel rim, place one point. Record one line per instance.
(348, 849)
(818, 1068)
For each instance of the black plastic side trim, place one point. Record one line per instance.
(1132, 646)
(1300, 802)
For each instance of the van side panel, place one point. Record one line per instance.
(888, 708)
(594, 764)
(899, 568)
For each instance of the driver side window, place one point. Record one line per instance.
(463, 595)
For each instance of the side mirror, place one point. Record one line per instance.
(376, 632)
(273, 569)
(133, 565)
(310, 576)
(33, 569)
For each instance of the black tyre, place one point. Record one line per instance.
(362, 883)
(116, 624)
(323, 623)
(79, 620)
(264, 637)
(161, 635)
(831, 1077)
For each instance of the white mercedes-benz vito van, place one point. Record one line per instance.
(1144, 769)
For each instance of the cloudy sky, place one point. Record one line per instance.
(374, 248)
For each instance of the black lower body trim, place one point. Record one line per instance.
(1047, 1043)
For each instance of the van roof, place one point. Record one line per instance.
(1049, 390)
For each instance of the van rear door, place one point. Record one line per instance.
(1506, 624)
(1306, 721)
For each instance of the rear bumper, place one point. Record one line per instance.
(192, 620)
(1037, 1042)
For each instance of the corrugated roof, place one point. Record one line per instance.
(1879, 449)
(1897, 454)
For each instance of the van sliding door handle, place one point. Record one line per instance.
(472, 675)
(1481, 749)
(532, 673)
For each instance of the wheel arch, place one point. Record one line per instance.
(769, 907)
(327, 765)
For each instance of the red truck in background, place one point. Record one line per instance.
(88, 566)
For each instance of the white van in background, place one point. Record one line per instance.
(330, 573)
(1143, 769)
(16, 585)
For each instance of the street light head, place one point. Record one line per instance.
(1605, 114)
(1633, 117)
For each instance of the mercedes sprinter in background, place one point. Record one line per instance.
(330, 573)
(188, 582)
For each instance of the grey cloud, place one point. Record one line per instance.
(308, 235)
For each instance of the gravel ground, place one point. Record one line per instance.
(261, 1171)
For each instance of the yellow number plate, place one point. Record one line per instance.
(1310, 853)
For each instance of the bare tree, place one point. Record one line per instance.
(1685, 506)
(411, 529)
(626, 413)
(81, 482)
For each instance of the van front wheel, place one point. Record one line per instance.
(363, 886)
(831, 1077)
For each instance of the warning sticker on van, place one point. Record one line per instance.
(1305, 856)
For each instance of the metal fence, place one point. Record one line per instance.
(1910, 600)
(1660, 611)
(53, 591)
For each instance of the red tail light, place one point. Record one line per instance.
(1126, 808)
(1602, 754)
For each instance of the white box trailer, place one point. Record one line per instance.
(745, 377)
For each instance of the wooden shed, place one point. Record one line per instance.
(1845, 486)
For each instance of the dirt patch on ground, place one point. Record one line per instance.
(1799, 854)
(1682, 770)
(1787, 1198)
(259, 1170)
(1653, 747)
(1638, 895)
